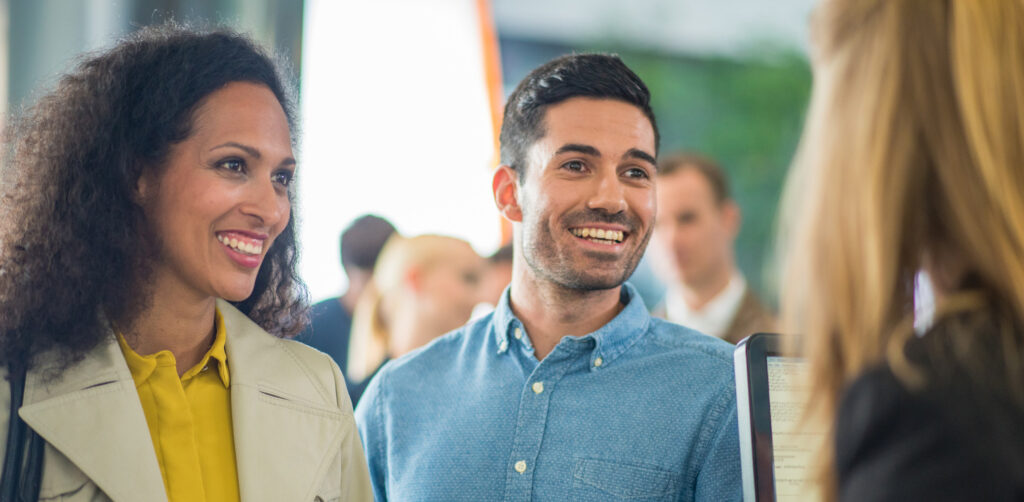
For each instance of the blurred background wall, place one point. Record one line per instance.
(395, 101)
(44, 36)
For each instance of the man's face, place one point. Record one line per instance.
(694, 233)
(587, 194)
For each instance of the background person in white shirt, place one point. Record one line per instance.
(692, 251)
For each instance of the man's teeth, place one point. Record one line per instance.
(241, 246)
(598, 233)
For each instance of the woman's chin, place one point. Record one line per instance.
(237, 293)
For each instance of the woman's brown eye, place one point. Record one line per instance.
(235, 165)
(283, 178)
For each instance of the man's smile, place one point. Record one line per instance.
(600, 235)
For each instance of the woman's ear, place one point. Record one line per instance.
(506, 193)
(413, 279)
(144, 187)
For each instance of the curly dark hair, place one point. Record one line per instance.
(70, 222)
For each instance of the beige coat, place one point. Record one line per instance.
(295, 436)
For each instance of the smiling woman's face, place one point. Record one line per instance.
(222, 198)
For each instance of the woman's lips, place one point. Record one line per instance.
(246, 249)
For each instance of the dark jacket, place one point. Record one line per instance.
(959, 437)
(752, 317)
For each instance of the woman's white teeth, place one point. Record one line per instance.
(241, 246)
(599, 234)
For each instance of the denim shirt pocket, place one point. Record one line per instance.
(599, 479)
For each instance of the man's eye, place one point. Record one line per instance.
(574, 165)
(283, 178)
(638, 173)
(234, 165)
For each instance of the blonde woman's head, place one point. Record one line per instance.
(422, 287)
(912, 157)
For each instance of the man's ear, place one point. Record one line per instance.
(506, 193)
(731, 217)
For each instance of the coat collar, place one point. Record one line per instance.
(286, 422)
(91, 414)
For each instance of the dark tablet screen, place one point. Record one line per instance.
(775, 446)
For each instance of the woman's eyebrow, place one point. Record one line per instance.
(248, 149)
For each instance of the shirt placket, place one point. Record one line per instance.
(531, 422)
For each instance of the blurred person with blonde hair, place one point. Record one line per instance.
(330, 321)
(422, 287)
(912, 161)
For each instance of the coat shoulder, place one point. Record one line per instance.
(257, 358)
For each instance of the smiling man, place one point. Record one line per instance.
(569, 390)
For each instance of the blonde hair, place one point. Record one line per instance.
(913, 147)
(371, 332)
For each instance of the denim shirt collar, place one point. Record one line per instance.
(611, 340)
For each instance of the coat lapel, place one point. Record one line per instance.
(287, 428)
(92, 415)
(751, 317)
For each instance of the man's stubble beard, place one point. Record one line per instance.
(544, 261)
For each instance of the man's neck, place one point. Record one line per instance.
(184, 327)
(698, 295)
(549, 311)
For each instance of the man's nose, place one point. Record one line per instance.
(609, 194)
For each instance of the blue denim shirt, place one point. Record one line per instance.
(640, 410)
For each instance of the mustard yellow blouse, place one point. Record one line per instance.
(189, 421)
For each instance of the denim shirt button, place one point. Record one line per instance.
(521, 466)
(518, 334)
(538, 387)
(598, 362)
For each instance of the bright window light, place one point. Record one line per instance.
(396, 122)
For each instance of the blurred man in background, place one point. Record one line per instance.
(692, 249)
(331, 319)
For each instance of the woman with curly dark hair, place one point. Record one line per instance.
(147, 249)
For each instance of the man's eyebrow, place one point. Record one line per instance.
(246, 148)
(636, 153)
(578, 148)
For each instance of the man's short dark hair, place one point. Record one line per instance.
(710, 169)
(362, 241)
(601, 76)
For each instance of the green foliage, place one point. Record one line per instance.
(747, 114)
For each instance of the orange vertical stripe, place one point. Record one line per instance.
(495, 94)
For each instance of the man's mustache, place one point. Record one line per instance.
(582, 218)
